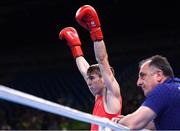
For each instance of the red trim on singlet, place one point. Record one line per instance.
(100, 111)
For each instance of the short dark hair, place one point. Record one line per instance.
(95, 69)
(161, 63)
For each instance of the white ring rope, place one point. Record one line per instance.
(48, 106)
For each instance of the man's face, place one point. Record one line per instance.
(148, 78)
(95, 84)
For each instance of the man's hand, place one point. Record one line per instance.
(87, 17)
(117, 119)
(72, 38)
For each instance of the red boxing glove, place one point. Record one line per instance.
(87, 17)
(71, 35)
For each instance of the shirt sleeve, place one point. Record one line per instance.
(157, 99)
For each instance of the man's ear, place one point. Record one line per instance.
(160, 76)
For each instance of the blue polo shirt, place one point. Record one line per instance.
(164, 100)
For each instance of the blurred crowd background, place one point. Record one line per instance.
(35, 61)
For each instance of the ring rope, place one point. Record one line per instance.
(16, 96)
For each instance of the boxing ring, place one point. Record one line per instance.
(19, 97)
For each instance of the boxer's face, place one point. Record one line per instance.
(95, 84)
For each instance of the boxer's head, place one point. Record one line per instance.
(95, 80)
(94, 69)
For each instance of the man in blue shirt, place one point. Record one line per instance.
(161, 108)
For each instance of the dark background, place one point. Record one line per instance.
(35, 61)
